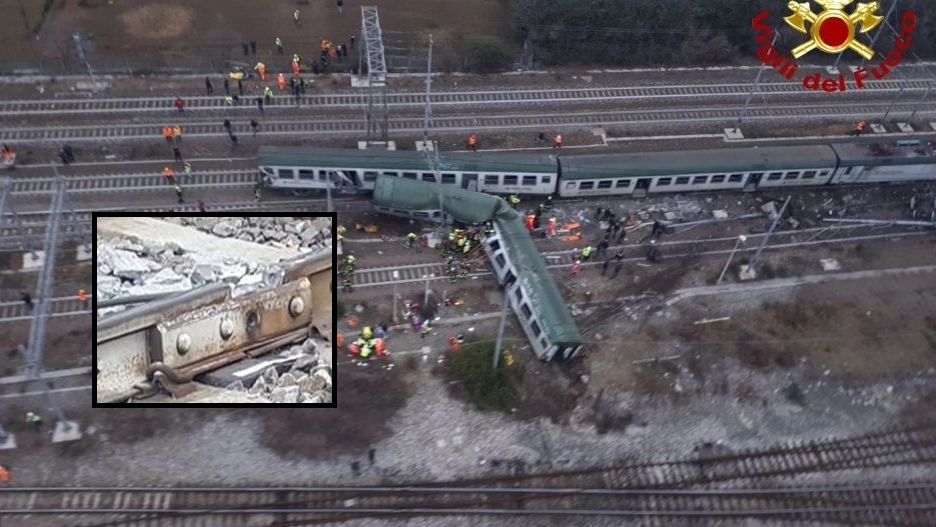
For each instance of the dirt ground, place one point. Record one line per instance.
(139, 35)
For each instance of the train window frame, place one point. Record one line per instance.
(281, 171)
(546, 180)
(718, 178)
(700, 180)
(791, 175)
(570, 185)
(426, 176)
(448, 179)
(622, 183)
(494, 245)
(501, 261)
(682, 180)
(491, 179)
(306, 173)
(774, 176)
(511, 179)
(824, 173)
(664, 181)
(586, 185)
(392, 174)
(736, 178)
(411, 175)
(847, 171)
(527, 312)
(809, 174)
(605, 184)
(529, 181)
(519, 294)
(370, 176)
(537, 331)
(757, 174)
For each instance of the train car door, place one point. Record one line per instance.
(643, 186)
(470, 182)
(753, 181)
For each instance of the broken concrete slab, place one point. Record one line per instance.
(830, 264)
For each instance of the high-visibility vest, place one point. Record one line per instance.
(167, 132)
(82, 295)
(168, 172)
(586, 251)
(177, 131)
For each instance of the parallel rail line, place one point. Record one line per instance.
(68, 306)
(354, 127)
(451, 98)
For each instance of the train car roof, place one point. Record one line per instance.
(476, 207)
(727, 160)
(405, 159)
(881, 154)
(463, 205)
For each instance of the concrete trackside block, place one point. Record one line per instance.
(9, 443)
(733, 134)
(933, 126)
(66, 431)
(878, 129)
(905, 128)
(33, 261)
(376, 145)
(747, 273)
(84, 252)
(832, 70)
(425, 146)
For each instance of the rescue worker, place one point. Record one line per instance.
(268, 94)
(257, 192)
(261, 69)
(586, 253)
(296, 58)
(177, 133)
(7, 153)
(558, 143)
(83, 298)
(178, 191)
(528, 222)
(347, 279)
(254, 124)
(35, 420)
(187, 168)
(349, 262)
(281, 81)
(227, 126)
(424, 329)
(465, 268)
(208, 87)
(170, 175)
(27, 300)
(177, 154)
(514, 200)
(551, 227)
(859, 128)
(279, 46)
(167, 134)
(473, 142)
(4, 475)
(576, 268)
(294, 66)
(180, 104)
(201, 206)
(260, 104)
(296, 17)
(410, 240)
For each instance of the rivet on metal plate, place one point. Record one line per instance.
(296, 306)
(227, 328)
(183, 343)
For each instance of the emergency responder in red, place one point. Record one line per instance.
(261, 69)
(170, 174)
(281, 81)
(551, 227)
(558, 141)
(167, 134)
(858, 128)
(473, 142)
(528, 222)
(179, 103)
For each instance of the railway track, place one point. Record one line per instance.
(453, 98)
(68, 306)
(431, 271)
(726, 486)
(726, 115)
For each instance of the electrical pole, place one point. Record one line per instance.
(396, 279)
(432, 157)
(754, 88)
(770, 231)
(84, 60)
(741, 239)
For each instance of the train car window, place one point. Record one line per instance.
(429, 177)
(757, 175)
(370, 176)
(848, 170)
(824, 173)
(809, 174)
(586, 185)
(494, 245)
(491, 179)
(699, 180)
(519, 294)
(284, 173)
(735, 178)
(510, 180)
(570, 184)
(718, 179)
(774, 176)
(448, 179)
(306, 174)
(683, 180)
(394, 174)
(604, 184)
(526, 311)
(791, 175)
(622, 183)
(536, 329)
(529, 181)
(546, 180)
(664, 181)
(410, 175)
(501, 261)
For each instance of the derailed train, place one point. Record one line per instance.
(516, 262)
(300, 169)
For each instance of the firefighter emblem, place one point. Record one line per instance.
(833, 30)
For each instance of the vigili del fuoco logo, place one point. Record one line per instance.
(833, 31)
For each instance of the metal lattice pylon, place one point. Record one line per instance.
(376, 112)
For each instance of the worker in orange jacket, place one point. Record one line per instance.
(261, 69)
(558, 143)
(167, 134)
(473, 142)
(281, 81)
(83, 297)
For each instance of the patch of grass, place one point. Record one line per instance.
(486, 388)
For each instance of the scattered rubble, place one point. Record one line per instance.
(304, 233)
(308, 380)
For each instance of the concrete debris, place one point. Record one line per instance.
(225, 230)
(203, 274)
(720, 214)
(236, 386)
(287, 395)
(165, 277)
(305, 363)
(321, 377)
(286, 379)
(248, 284)
(125, 264)
(288, 232)
(107, 286)
(770, 208)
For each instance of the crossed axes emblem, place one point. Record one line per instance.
(863, 14)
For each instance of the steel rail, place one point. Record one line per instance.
(407, 125)
(68, 306)
(446, 98)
